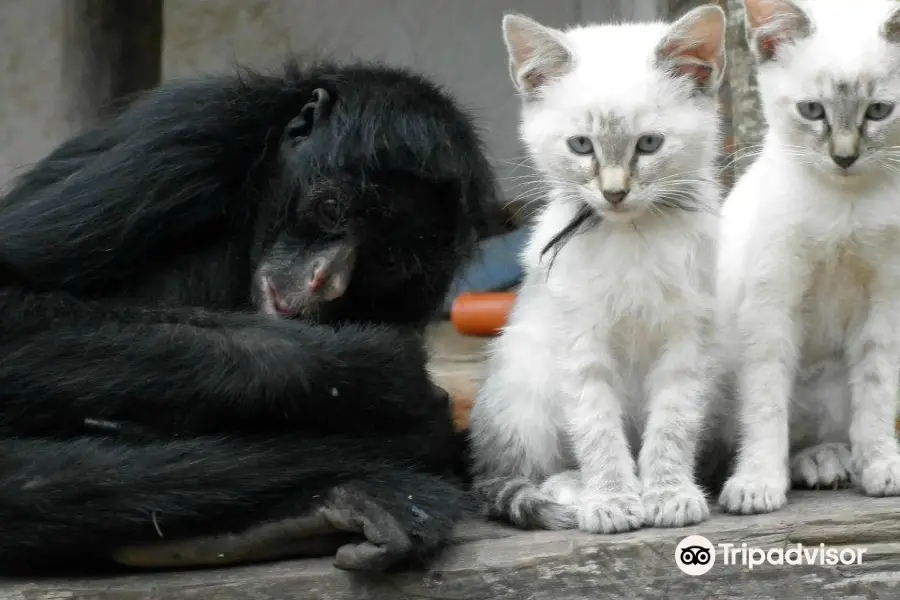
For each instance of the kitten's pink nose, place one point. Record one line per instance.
(615, 196)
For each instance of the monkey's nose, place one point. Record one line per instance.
(615, 196)
(844, 162)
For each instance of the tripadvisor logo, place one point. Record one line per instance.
(696, 555)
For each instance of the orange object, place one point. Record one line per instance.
(481, 314)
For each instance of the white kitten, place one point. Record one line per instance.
(809, 268)
(606, 355)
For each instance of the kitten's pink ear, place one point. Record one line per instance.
(536, 53)
(890, 30)
(772, 23)
(694, 47)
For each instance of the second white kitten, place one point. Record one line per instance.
(596, 389)
(809, 272)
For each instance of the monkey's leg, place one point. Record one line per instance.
(373, 524)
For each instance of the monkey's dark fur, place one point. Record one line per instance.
(210, 318)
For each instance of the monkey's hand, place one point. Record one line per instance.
(368, 527)
(385, 543)
(350, 524)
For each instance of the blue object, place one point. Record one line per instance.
(495, 267)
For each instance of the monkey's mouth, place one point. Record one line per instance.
(275, 304)
(302, 292)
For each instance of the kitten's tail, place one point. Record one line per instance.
(521, 502)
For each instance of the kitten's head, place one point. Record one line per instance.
(620, 117)
(829, 79)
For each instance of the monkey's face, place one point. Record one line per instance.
(361, 236)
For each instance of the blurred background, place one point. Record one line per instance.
(65, 63)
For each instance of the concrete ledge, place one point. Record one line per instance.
(492, 562)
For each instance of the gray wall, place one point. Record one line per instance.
(32, 114)
(457, 42)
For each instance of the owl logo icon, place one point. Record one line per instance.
(695, 555)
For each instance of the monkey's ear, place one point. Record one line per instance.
(694, 48)
(773, 23)
(316, 109)
(536, 53)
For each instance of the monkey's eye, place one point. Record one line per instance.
(879, 111)
(650, 143)
(580, 144)
(812, 111)
(329, 213)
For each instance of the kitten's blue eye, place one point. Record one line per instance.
(580, 144)
(814, 111)
(648, 144)
(879, 111)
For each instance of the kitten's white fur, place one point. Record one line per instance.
(607, 352)
(809, 264)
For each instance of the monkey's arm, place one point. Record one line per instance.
(73, 502)
(181, 373)
(379, 521)
(177, 164)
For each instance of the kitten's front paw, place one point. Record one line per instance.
(825, 465)
(881, 477)
(676, 506)
(610, 513)
(753, 494)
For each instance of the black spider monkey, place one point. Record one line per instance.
(211, 309)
